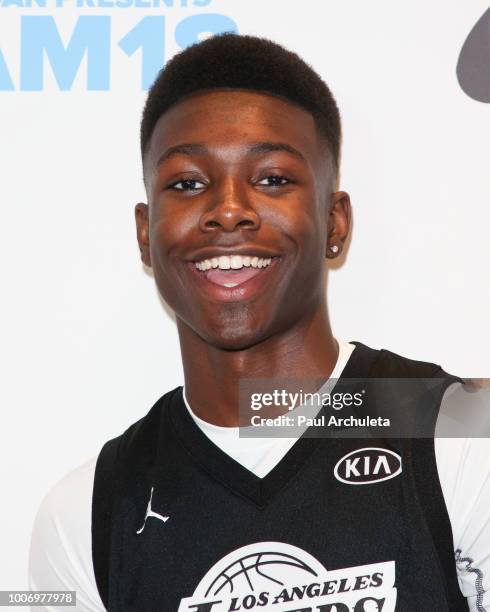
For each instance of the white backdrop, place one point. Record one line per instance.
(87, 346)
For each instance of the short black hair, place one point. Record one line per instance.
(238, 61)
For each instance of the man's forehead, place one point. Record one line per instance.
(225, 118)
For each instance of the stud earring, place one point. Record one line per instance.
(334, 248)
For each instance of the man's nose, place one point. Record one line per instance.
(230, 209)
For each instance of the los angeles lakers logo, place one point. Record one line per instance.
(274, 576)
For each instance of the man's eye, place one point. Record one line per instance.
(187, 185)
(274, 181)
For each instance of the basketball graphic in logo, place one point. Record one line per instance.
(269, 576)
(257, 571)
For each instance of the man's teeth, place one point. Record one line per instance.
(233, 262)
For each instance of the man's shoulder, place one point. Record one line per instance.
(60, 551)
(137, 437)
(67, 500)
(389, 363)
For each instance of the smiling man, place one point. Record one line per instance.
(240, 142)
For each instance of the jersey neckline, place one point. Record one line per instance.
(231, 474)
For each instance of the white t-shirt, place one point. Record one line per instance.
(61, 545)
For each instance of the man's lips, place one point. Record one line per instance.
(247, 281)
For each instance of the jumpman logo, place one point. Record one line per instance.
(149, 513)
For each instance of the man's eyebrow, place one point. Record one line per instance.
(183, 149)
(258, 148)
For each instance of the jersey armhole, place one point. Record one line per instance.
(102, 499)
(431, 499)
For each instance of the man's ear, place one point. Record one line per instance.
(143, 231)
(339, 220)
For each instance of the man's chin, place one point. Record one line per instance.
(235, 339)
(234, 333)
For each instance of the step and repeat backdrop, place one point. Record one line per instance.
(87, 345)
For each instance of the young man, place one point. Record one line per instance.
(240, 142)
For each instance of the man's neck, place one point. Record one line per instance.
(306, 351)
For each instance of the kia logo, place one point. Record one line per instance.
(367, 466)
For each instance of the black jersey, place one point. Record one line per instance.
(178, 525)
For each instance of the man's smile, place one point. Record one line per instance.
(233, 277)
